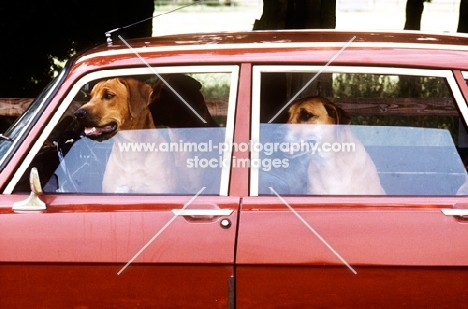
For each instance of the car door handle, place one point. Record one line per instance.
(202, 212)
(454, 212)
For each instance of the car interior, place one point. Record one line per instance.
(69, 162)
(410, 126)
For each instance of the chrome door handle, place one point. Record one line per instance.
(202, 212)
(454, 212)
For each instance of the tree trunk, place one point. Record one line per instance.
(274, 15)
(297, 14)
(294, 14)
(414, 10)
(463, 17)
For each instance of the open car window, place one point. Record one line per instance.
(357, 132)
(135, 132)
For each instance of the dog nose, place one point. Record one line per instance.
(80, 114)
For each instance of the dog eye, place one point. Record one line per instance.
(305, 115)
(108, 96)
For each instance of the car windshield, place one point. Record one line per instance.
(25, 121)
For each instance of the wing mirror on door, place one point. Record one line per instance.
(33, 202)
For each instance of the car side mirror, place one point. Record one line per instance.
(33, 202)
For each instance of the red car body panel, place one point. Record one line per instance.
(95, 240)
(85, 285)
(295, 286)
(400, 252)
(381, 48)
(378, 56)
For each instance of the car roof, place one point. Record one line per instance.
(404, 48)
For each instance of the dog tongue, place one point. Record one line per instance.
(92, 131)
(95, 131)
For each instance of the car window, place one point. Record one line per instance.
(23, 123)
(357, 132)
(141, 134)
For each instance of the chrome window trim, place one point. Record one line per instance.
(256, 79)
(233, 69)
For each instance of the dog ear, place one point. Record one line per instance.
(338, 114)
(157, 90)
(139, 95)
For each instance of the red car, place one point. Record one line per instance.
(286, 169)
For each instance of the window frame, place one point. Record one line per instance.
(96, 75)
(29, 117)
(257, 71)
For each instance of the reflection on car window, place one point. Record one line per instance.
(139, 135)
(360, 134)
(22, 123)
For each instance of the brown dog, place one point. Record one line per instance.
(339, 163)
(119, 107)
(116, 104)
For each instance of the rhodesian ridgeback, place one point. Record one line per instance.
(119, 107)
(346, 169)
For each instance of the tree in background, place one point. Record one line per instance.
(463, 17)
(297, 14)
(38, 35)
(321, 14)
(415, 8)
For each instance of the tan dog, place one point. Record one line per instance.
(120, 107)
(319, 123)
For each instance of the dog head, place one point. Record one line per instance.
(312, 120)
(316, 110)
(115, 105)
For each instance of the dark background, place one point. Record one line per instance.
(38, 36)
(35, 34)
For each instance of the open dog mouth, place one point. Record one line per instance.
(97, 132)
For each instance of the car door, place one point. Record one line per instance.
(75, 246)
(406, 248)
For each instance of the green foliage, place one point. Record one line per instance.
(215, 85)
(387, 86)
(364, 86)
